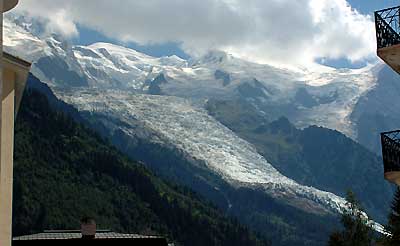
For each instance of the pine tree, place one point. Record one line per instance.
(393, 226)
(356, 231)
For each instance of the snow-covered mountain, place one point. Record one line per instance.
(166, 96)
(319, 96)
(324, 97)
(377, 110)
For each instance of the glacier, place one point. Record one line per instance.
(189, 128)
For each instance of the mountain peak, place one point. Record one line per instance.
(213, 57)
(117, 49)
(282, 124)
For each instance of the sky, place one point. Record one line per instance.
(369, 6)
(89, 36)
(338, 33)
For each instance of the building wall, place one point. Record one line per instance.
(6, 156)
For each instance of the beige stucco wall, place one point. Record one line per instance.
(4, 228)
(6, 157)
(14, 79)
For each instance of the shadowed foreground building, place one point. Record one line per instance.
(74, 238)
(15, 72)
(88, 235)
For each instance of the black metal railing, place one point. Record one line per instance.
(391, 150)
(387, 23)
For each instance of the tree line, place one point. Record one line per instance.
(357, 231)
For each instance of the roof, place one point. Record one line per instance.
(16, 60)
(20, 68)
(76, 234)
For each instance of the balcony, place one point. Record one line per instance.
(391, 155)
(387, 23)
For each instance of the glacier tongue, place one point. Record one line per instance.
(192, 130)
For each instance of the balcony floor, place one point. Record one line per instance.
(393, 177)
(391, 56)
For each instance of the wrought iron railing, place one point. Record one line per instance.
(387, 23)
(391, 150)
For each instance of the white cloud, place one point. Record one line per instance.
(279, 31)
(60, 23)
